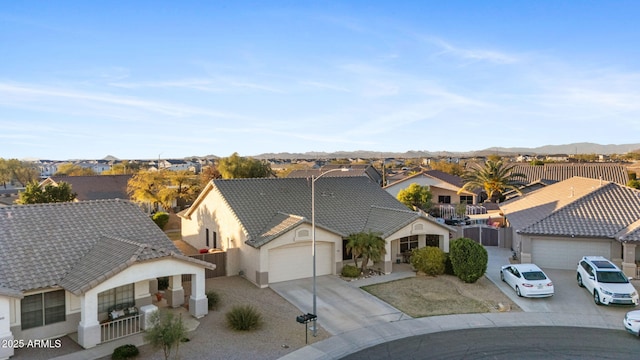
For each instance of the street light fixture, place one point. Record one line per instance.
(313, 240)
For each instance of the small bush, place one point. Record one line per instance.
(213, 299)
(430, 260)
(244, 318)
(161, 219)
(166, 332)
(124, 352)
(350, 271)
(469, 259)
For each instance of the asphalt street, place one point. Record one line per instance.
(536, 342)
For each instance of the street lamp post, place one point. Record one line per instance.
(313, 241)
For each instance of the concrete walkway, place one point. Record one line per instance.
(341, 306)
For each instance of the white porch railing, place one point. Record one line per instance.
(120, 328)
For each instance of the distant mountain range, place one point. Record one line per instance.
(570, 149)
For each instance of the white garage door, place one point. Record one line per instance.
(565, 254)
(295, 262)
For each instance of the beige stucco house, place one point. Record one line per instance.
(444, 187)
(265, 225)
(446, 194)
(558, 224)
(89, 268)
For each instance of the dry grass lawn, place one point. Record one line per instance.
(442, 295)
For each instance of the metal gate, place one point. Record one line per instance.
(217, 258)
(485, 235)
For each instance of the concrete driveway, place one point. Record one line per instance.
(569, 298)
(341, 307)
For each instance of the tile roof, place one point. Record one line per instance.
(96, 187)
(354, 170)
(578, 207)
(631, 233)
(10, 293)
(108, 257)
(533, 186)
(387, 220)
(344, 205)
(454, 180)
(42, 244)
(553, 171)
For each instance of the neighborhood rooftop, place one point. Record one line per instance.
(43, 245)
(562, 171)
(344, 205)
(578, 207)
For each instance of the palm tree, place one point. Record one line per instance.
(354, 246)
(494, 178)
(370, 245)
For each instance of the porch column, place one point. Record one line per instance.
(89, 327)
(629, 259)
(5, 327)
(443, 241)
(422, 241)
(175, 292)
(198, 304)
(388, 263)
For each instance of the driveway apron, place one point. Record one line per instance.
(340, 306)
(569, 298)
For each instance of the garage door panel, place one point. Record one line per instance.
(565, 254)
(296, 262)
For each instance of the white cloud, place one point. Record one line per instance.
(471, 54)
(321, 85)
(24, 95)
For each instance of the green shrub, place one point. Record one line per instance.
(244, 318)
(124, 352)
(213, 299)
(430, 260)
(166, 332)
(350, 271)
(161, 219)
(469, 259)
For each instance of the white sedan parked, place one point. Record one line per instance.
(527, 280)
(632, 322)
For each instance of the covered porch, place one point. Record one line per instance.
(126, 317)
(70, 349)
(417, 235)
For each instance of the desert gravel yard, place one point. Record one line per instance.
(279, 335)
(442, 295)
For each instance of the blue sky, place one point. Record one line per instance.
(143, 79)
